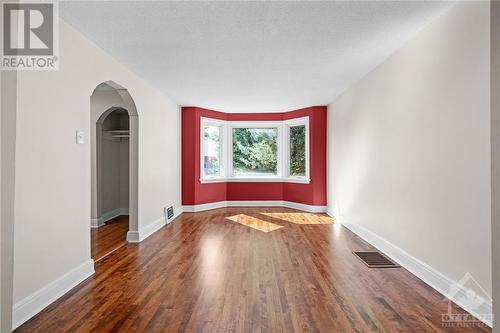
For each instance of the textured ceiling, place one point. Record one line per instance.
(251, 56)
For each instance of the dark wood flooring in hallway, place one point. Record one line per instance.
(109, 237)
(261, 270)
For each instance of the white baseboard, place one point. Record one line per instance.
(304, 207)
(449, 288)
(100, 221)
(133, 237)
(145, 232)
(96, 223)
(203, 207)
(36, 302)
(329, 212)
(222, 204)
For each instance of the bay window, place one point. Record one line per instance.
(255, 150)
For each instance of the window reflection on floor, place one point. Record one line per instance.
(301, 218)
(266, 226)
(254, 223)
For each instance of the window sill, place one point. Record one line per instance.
(256, 180)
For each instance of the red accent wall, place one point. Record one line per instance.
(195, 193)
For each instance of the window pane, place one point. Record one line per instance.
(211, 149)
(255, 151)
(298, 151)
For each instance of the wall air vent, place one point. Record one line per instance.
(170, 212)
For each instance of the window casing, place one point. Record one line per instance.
(232, 126)
(255, 151)
(234, 171)
(289, 125)
(212, 157)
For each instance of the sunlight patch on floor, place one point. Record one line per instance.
(301, 218)
(254, 223)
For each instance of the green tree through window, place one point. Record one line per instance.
(255, 151)
(298, 151)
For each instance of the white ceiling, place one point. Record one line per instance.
(251, 56)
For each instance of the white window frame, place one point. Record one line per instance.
(254, 124)
(304, 121)
(206, 122)
(226, 149)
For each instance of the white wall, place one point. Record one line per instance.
(8, 89)
(409, 147)
(53, 173)
(495, 156)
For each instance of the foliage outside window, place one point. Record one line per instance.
(255, 151)
(211, 149)
(298, 150)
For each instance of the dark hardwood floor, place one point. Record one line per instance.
(207, 273)
(109, 237)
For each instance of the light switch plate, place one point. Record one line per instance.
(80, 137)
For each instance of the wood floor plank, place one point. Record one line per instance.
(206, 273)
(109, 237)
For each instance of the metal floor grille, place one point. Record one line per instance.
(375, 260)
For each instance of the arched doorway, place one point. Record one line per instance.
(109, 103)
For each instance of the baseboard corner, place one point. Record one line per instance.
(145, 232)
(96, 223)
(133, 236)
